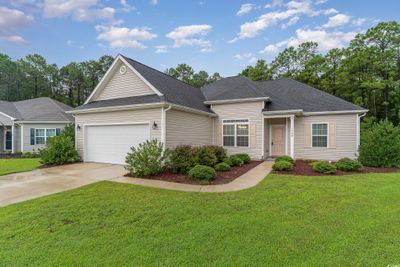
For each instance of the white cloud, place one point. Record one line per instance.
(248, 57)
(326, 40)
(274, 3)
(10, 20)
(330, 11)
(94, 14)
(161, 49)
(318, 2)
(153, 2)
(206, 50)
(359, 22)
(190, 35)
(291, 22)
(337, 21)
(126, 7)
(122, 37)
(244, 9)
(270, 49)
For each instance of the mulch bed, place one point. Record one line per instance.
(220, 178)
(303, 167)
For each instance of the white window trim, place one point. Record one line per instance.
(235, 130)
(45, 135)
(327, 134)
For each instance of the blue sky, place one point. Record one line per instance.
(222, 36)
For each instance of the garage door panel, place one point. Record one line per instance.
(111, 143)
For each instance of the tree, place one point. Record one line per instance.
(259, 72)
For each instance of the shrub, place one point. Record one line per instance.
(222, 167)
(324, 167)
(380, 145)
(235, 161)
(201, 172)
(219, 152)
(146, 159)
(69, 130)
(346, 164)
(228, 161)
(206, 156)
(282, 166)
(60, 150)
(32, 154)
(182, 158)
(244, 157)
(285, 158)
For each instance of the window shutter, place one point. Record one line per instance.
(307, 135)
(218, 137)
(58, 131)
(332, 135)
(32, 136)
(253, 135)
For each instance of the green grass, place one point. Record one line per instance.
(284, 221)
(8, 166)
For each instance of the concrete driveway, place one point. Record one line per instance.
(28, 185)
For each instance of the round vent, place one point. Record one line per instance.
(122, 70)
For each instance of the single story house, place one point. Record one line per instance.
(134, 102)
(27, 124)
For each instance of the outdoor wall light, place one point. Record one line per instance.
(78, 127)
(154, 125)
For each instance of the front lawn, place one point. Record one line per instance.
(8, 166)
(284, 221)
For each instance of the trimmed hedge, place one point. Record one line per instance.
(347, 165)
(202, 173)
(282, 166)
(285, 158)
(219, 152)
(182, 158)
(244, 157)
(324, 167)
(222, 167)
(206, 156)
(235, 161)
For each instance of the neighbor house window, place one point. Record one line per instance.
(41, 135)
(235, 133)
(320, 135)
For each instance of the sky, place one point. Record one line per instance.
(212, 35)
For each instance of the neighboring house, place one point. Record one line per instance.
(27, 124)
(133, 103)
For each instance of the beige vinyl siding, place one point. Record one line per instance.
(118, 117)
(248, 110)
(124, 85)
(4, 120)
(26, 128)
(346, 137)
(188, 128)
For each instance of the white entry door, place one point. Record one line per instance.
(111, 143)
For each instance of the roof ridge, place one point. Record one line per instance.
(159, 71)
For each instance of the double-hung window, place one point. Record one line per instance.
(320, 135)
(235, 133)
(41, 135)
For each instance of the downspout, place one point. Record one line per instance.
(358, 131)
(163, 124)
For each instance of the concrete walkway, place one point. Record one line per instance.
(41, 182)
(247, 180)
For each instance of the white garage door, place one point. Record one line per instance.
(111, 143)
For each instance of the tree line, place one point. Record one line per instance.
(366, 73)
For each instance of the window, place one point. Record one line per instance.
(41, 135)
(236, 133)
(320, 135)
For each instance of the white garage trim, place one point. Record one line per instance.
(85, 133)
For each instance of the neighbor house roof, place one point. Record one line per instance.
(37, 109)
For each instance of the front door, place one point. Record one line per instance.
(8, 140)
(278, 140)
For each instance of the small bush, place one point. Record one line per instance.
(219, 152)
(32, 154)
(346, 164)
(228, 161)
(285, 158)
(222, 167)
(203, 173)
(282, 166)
(182, 158)
(146, 159)
(60, 150)
(380, 145)
(324, 167)
(206, 156)
(244, 157)
(235, 161)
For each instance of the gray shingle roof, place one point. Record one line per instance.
(288, 94)
(37, 109)
(134, 100)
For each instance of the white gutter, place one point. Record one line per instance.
(358, 129)
(44, 122)
(334, 112)
(228, 101)
(289, 111)
(164, 124)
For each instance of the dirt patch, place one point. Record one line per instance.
(220, 178)
(302, 167)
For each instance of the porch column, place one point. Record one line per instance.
(12, 138)
(292, 136)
